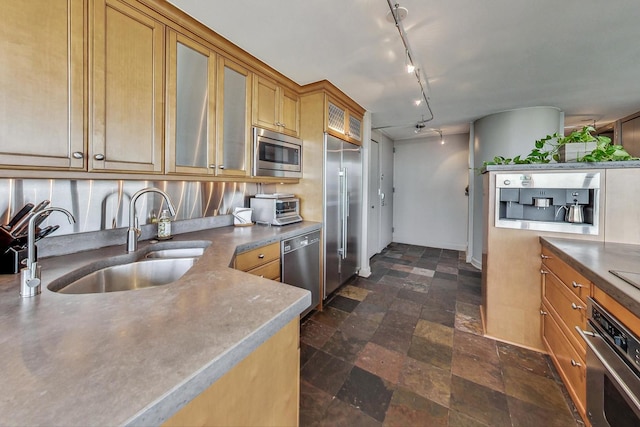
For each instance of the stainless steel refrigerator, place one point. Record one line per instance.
(342, 211)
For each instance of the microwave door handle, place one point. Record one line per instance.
(619, 381)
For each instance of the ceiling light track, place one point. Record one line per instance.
(397, 14)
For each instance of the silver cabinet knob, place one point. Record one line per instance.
(543, 256)
(261, 256)
(574, 363)
(544, 272)
(99, 156)
(577, 285)
(212, 166)
(543, 313)
(78, 154)
(576, 307)
(221, 167)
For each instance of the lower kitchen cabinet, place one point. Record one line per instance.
(564, 294)
(263, 261)
(263, 389)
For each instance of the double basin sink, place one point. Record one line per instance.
(160, 264)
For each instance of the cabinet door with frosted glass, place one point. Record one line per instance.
(234, 119)
(190, 117)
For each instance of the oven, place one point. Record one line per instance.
(613, 370)
(275, 154)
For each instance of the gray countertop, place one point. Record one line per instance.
(564, 166)
(594, 260)
(136, 357)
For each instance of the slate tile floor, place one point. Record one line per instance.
(404, 347)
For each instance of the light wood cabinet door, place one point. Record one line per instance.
(42, 84)
(275, 107)
(249, 260)
(233, 119)
(343, 123)
(127, 89)
(190, 114)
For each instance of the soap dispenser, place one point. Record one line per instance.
(164, 225)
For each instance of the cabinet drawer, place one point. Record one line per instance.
(257, 257)
(575, 281)
(270, 270)
(571, 367)
(570, 309)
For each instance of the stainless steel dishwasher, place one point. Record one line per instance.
(301, 264)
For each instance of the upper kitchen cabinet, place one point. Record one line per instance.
(233, 119)
(630, 134)
(42, 84)
(190, 113)
(127, 81)
(275, 107)
(342, 122)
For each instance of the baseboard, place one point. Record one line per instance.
(365, 272)
(477, 264)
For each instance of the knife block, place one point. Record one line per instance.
(13, 260)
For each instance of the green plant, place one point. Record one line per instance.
(547, 149)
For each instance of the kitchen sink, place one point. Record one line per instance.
(176, 253)
(130, 276)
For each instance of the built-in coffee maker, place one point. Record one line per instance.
(563, 202)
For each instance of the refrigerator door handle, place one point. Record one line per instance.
(344, 211)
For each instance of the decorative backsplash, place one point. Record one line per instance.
(104, 204)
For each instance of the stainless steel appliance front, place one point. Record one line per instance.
(342, 211)
(613, 370)
(301, 265)
(275, 154)
(545, 201)
(275, 211)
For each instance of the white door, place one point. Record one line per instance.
(373, 234)
(386, 193)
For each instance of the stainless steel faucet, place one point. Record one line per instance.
(30, 275)
(134, 232)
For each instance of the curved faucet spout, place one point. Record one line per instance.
(30, 275)
(133, 231)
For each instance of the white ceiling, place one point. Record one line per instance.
(480, 56)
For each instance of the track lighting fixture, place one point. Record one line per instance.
(396, 15)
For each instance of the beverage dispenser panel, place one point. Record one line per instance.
(561, 202)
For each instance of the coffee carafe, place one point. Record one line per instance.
(575, 213)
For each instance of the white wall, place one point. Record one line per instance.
(508, 134)
(430, 207)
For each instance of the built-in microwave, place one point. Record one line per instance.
(275, 154)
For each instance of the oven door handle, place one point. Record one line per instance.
(586, 336)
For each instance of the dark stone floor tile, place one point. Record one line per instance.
(313, 404)
(440, 301)
(430, 352)
(476, 369)
(344, 346)
(426, 380)
(525, 359)
(408, 307)
(438, 315)
(434, 332)
(469, 298)
(342, 414)
(432, 253)
(315, 333)
(330, 316)
(410, 409)
(397, 273)
(525, 414)
(481, 403)
(380, 299)
(416, 251)
(473, 284)
(533, 388)
(306, 351)
(367, 392)
(401, 321)
(392, 339)
(343, 303)
(377, 274)
(326, 372)
(428, 263)
(381, 361)
(372, 312)
(383, 286)
(469, 273)
(458, 419)
(478, 346)
(470, 310)
(444, 281)
(411, 295)
(360, 327)
(421, 285)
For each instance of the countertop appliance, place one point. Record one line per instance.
(275, 209)
(613, 370)
(342, 211)
(301, 265)
(544, 201)
(275, 154)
